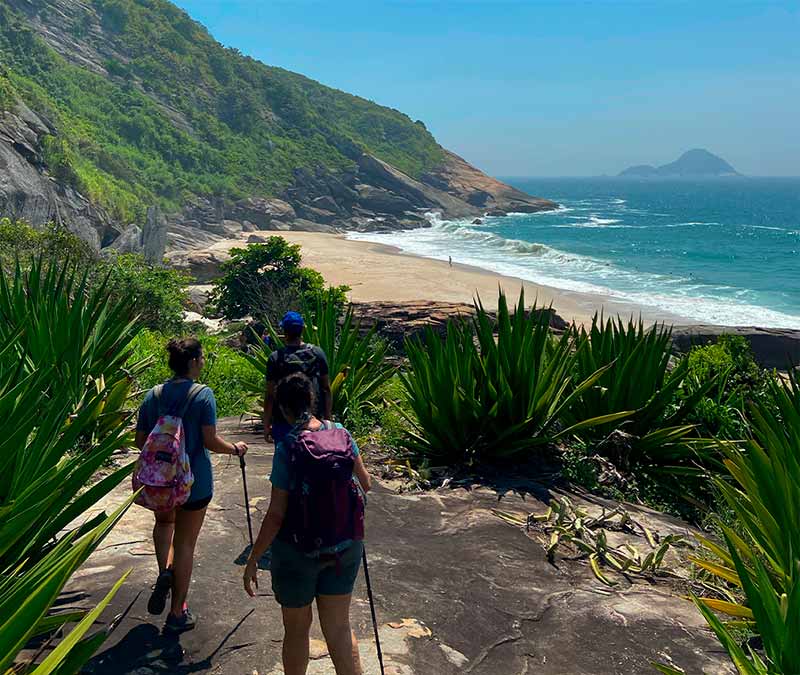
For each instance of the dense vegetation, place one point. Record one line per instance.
(63, 390)
(177, 114)
(155, 294)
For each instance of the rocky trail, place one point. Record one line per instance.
(457, 589)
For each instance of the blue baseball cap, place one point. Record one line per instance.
(292, 320)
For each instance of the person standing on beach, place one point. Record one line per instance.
(315, 529)
(175, 532)
(295, 357)
(450, 260)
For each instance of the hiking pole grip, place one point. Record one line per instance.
(372, 608)
(246, 501)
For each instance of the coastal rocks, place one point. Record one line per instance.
(772, 347)
(129, 241)
(397, 321)
(264, 214)
(381, 200)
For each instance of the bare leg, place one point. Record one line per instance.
(187, 528)
(163, 531)
(334, 617)
(296, 627)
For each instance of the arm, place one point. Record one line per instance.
(215, 443)
(270, 526)
(269, 402)
(141, 437)
(327, 397)
(360, 472)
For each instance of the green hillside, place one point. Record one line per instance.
(178, 114)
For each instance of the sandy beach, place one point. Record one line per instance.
(376, 272)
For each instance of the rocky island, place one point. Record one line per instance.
(693, 163)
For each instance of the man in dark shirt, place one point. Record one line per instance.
(296, 356)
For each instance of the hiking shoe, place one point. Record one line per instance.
(180, 624)
(161, 589)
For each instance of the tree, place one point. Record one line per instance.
(265, 280)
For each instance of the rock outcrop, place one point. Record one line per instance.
(29, 193)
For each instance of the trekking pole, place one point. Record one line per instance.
(246, 502)
(372, 609)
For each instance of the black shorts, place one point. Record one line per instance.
(197, 505)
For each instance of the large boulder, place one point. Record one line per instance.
(263, 213)
(382, 200)
(203, 266)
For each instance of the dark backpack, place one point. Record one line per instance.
(303, 360)
(325, 507)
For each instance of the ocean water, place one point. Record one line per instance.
(723, 251)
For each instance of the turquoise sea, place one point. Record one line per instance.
(724, 251)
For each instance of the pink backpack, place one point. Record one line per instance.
(163, 471)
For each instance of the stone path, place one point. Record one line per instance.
(457, 591)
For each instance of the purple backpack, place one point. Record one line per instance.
(326, 509)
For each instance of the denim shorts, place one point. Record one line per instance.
(297, 579)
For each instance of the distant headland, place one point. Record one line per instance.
(697, 162)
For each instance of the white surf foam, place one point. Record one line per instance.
(548, 266)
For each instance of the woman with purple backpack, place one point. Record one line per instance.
(315, 528)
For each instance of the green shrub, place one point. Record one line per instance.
(265, 280)
(637, 386)
(158, 294)
(227, 372)
(738, 379)
(20, 241)
(7, 95)
(476, 397)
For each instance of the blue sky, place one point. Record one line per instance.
(551, 88)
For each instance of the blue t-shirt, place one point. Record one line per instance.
(202, 412)
(280, 462)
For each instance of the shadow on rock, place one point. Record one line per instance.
(145, 650)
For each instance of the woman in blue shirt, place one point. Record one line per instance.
(299, 578)
(175, 532)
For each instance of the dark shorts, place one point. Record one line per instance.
(298, 579)
(197, 505)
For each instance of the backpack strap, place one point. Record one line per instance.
(157, 390)
(192, 394)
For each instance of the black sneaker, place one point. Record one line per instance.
(161, 589)
(180, 624)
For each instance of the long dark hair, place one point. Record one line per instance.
(295, 394)
(181, 353)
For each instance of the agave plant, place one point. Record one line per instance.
(478, 396)
(636, 378)
(764, 559)
(356, 359)
(62, 393)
